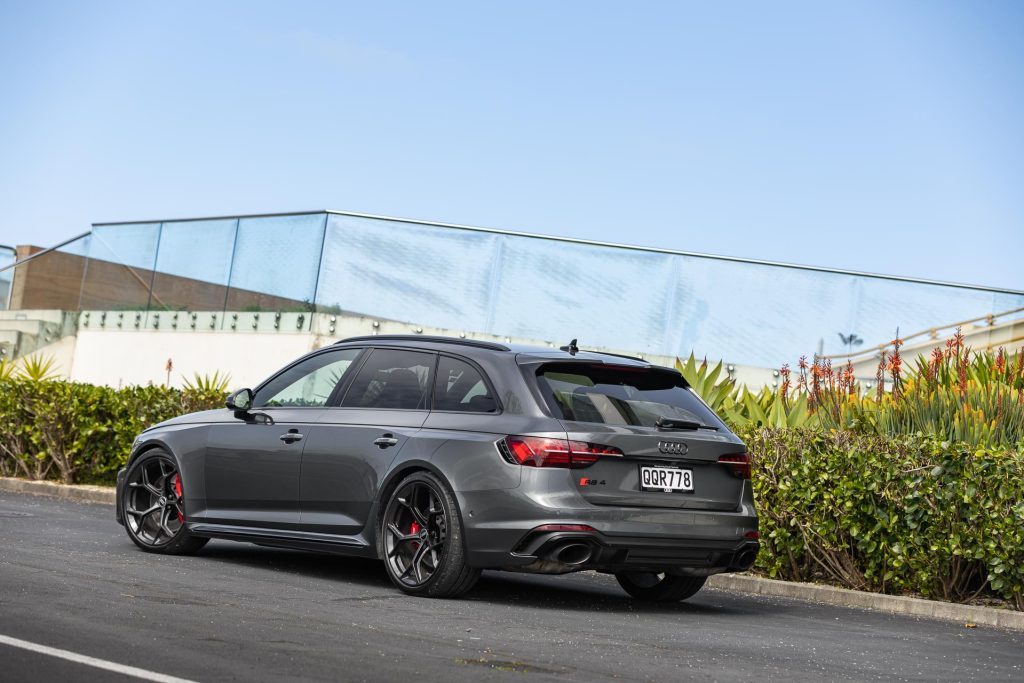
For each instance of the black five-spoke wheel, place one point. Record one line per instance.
(415, 534)
(154, 506)
(421, 539)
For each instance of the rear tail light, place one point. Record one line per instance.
(535, 451)
(738, 463)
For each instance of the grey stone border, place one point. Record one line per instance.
(83, 494)
(744, 583)
(897, 604)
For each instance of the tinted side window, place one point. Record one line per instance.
(307, 384)
(391, 379)
(459, 386)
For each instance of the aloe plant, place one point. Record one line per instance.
(955, 395)
(769, 408)
(740, 406)
(38, 368)
(705, 382)
(7, 370)
(208, 384)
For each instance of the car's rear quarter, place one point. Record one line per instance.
(586, 507)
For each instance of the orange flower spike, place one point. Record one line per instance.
(880, 376)
(896, 366)
(817, 370)
(784, 372)
(802, 377)
(935, 363)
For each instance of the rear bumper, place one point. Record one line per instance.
(706, 542)
(546, 552)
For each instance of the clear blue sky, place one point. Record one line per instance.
(878, 136)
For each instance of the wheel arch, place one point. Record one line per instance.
(388, 486)
(146, 446)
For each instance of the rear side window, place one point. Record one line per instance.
(392, 378)
(460, 387)
(620, 395)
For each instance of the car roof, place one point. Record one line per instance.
(523, 352)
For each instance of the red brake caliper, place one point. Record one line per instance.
(413, 530)
(178, 492)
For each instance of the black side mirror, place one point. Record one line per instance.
(240, 401)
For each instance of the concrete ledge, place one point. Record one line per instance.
(744, 583)
(844, 597)
(84, 494)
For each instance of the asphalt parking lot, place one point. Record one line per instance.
(71, 579)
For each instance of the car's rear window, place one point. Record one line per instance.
(623, 395)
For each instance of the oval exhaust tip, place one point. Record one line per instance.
(574, 553)
(746, 559)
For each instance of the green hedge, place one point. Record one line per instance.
(866, 511)
(80, 433)
(893, 515)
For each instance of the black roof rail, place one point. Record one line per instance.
(493, 346)
(618, 355)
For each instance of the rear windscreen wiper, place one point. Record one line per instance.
(669, 423)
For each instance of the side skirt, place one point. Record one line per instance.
(301, 540)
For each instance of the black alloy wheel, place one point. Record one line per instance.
(660, 587)
(154, 506)
(421, 540)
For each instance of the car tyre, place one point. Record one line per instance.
(421, 539)
(154, 506)
(653, 587)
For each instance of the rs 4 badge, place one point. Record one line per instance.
(591, 482)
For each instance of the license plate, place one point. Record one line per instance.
(665, 479)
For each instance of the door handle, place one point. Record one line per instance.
(385, 441)
(291, 437)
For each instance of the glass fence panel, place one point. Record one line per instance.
(193, 265)
(408, 272)
(619, 298)
(50, 281)
(766, 315)
(275, 263)
(119, 267)
(7, 257)
(913, 307)
(557, 291)
(486, 281)
(748, 313)
(1005, 302)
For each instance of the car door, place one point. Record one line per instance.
(353, 445)
(252, 464)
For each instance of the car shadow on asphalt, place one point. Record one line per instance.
(585, 592)
(324, 566)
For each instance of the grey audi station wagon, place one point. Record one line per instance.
(443, 457)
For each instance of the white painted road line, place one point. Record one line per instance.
(92, 661)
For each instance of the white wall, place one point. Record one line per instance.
(126, 357)
(119, 348)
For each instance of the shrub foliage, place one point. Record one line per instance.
(890, 514)
(81, 433)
